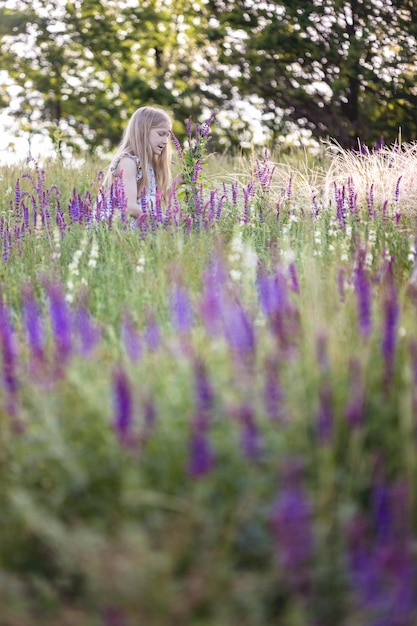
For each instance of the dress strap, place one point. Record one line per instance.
(119, 157)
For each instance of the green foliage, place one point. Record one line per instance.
(339, 69)
(83, 67)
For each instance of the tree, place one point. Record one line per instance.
(339, 68)
(81, 67)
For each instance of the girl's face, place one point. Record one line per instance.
(158, 138)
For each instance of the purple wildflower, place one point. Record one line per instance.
(210, 305)
(291, 520)
(294, 285)
(234, 192)
(88, 332)
(177, 146)
(61, 323)
(130, 338)
(352, 196)
(264, 172)
(201, 459)
(238, 330)
(205, 127)
(123, 407)
(33, 324)
(381, 559)
(143, 201)
(370, 199)
(152, 334)
(203, 389)
(391, 315)
(340, 205)
(198, 166)
(363, 294)
(181, 310)
(9, 360)
(283, 316)
(190, 127)
(273, 292)
(17, 197)
(397, 189)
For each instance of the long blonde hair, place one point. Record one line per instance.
(135, 141)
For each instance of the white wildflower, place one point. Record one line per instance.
(288, 256)
(140, 266)
(235, 275)
(92, 261)
(369, 259)
(237, 243)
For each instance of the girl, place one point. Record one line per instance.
(144, 157)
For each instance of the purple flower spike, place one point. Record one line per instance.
(397, 189)
(88, 332)
(391, 315)
(204, 393)
(9, 360)
(291, 520)
(152, 334)
(239, 331)
(201, 458)
(210, 304)
(293, 278)
(177, 146)
(61, 323)
(123, 407)
(363, 296)
(273, 292)
(130, 338)
(381, 563)
(181, 310)
(33, 325)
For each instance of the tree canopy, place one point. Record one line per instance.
(340, 68)
(337, 68)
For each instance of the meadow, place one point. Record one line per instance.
(211, 420)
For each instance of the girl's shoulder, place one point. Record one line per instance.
(115, 164)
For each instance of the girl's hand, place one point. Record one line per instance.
(179, 179)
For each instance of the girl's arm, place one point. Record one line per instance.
(130, 185)
(178, 180)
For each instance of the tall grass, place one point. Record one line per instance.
(211, 419)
